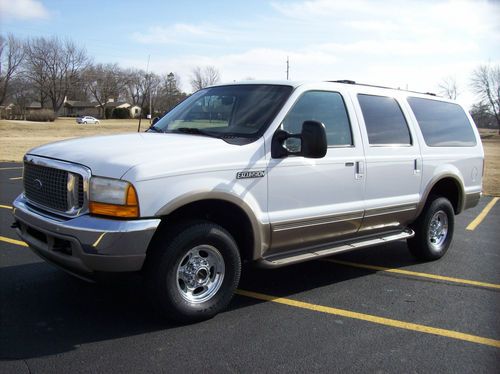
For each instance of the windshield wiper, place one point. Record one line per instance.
(194, 131)
(155, 129)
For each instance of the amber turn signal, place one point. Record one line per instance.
(129, 210)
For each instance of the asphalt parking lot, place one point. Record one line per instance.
(375, 310)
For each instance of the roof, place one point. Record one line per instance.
(34, 105)
(80, 104)
(296, 84)
(114, 104)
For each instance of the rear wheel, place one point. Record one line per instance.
(193, 273)
(433, 230)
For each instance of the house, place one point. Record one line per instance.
(73, 108)
(135, 110)
(7, 111)
(33, 106)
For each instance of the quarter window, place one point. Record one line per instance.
(384, 120)
(443, 124)
(325, 107)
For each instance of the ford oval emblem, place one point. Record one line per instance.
(37, 183)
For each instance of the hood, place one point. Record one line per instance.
(113, 155)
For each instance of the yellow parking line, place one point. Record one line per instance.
(5, 207)
(13, 241)
(415, 274)
(349, 314)
(374, 319)
(16, 178)
(12, 168)
(477, 221)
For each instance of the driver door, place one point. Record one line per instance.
(313, 202)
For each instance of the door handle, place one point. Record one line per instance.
(349, 164)
(417, 166)
(360, 170)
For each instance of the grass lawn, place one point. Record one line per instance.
(17, 137)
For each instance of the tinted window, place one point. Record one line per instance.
(325, 107)
(442, 124)
(235, 110)
(385, 122)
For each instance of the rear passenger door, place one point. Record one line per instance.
(318, 201)
(393, 163)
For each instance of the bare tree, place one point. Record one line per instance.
(205, 77)
(149, 87)
(22, 94)
(171, 93)
(485, 83)
(482, 116)
(448, 88)
(11, 56)
(53, 66)
(133, 79)
(154, 91)
(104, 82)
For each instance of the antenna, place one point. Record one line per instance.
(149, 89)
(287, 68)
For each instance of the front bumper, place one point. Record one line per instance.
(85, 244)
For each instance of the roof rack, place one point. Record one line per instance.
(347, 81)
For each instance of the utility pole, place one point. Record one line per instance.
(287, 67)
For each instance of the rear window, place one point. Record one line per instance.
(384, 120)
(443, 124)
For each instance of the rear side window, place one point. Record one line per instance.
(385, 122)
(443, 124)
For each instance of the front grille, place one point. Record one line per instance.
(80, 192)
(48, 187)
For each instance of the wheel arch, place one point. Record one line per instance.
(449, 186)
(229, 211)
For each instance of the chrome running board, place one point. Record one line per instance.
(314, 254)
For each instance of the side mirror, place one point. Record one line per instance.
(310, 143)
(314, 143)
(156, 119)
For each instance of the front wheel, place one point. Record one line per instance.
(192, 274)
(433, 230)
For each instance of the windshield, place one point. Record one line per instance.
(236, 110)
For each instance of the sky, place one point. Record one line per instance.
(412, 44)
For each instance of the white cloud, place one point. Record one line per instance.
(183, 33)
(403, 17)
(23, 9)
(392, 42)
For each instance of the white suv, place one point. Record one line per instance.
(273, 173)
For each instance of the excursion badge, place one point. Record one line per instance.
(250, 174)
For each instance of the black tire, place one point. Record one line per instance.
(182, 251)
(430, 241)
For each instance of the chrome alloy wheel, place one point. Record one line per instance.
(438, 229)
(200, 274)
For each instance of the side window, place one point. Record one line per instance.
(443, 124)
(385, 122)
(325, 107)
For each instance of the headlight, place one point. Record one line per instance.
(113, 197)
